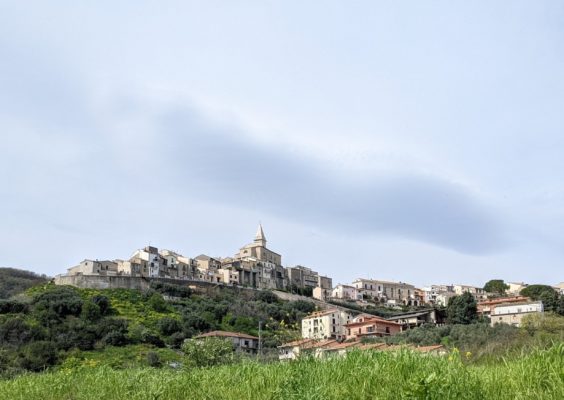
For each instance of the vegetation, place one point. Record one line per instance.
(551, 299)
(462, 309)
(497, 286)
(361, 375)
(15, 281)
(55, 324)
(484, 342)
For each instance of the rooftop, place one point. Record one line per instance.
(225, 334)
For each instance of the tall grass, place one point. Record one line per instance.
(361, 375)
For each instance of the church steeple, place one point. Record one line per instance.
(259, 237)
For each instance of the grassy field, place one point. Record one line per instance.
(361, 375)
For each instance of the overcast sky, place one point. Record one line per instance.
(415, 141)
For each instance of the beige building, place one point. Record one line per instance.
(325, 324)
(302, 277)
(478, 293)
(394, 292)
(515, 287)
(94, 267)
(321, 294)
(258, 266)
(513, 314)
(346, 292)
(229, 276)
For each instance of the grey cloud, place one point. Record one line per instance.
(224, 165)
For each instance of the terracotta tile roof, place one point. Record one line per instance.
(368, 346)
(426, 349)
(398, 347)
(225, 334)
(339, 346)
(295, 343)
(318, 344)
(372, 320)
(321, 313)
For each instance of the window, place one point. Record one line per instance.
(246, 343)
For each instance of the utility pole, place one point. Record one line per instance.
(260, 339)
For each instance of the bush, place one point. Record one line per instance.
(37, 356)
(90, 311)
(115, 339)
(266, 296)
(209, 352)
(176, 340)
(57, 303)
(13, 307)
(167, 326)
(103, 303)
(154, 360)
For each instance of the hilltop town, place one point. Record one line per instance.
(255, 266)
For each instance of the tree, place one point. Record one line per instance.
(497, 286)
(462, 309)
(551, 300)
(534, 291)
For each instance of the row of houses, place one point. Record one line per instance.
(254, 265)
(330, 348)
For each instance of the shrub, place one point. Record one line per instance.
(209, 352)
(13, 307)
(154, 360)
(37, 356)
(167, 326)
(115, 339)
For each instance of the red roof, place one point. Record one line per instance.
(225, 334)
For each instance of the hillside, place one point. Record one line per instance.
(14, 281)
(57, 323)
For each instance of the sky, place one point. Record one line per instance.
(411, 141)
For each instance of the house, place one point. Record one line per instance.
(368, 325)
(297, 348)
(94, 267)
(515, 287)
(241, 341)
(412, 320)
(328, 324)
(302, 277)
(385, 291)
(487, 307)
(478, 293)
(321, 294)
(346, 292)
(513, 313)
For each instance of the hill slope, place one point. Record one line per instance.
(14, 281)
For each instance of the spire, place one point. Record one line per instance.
(259, 237)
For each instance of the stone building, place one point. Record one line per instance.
(303, 277)
(94, 267)
(257, 265)
(392, 292)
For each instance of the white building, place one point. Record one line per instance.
(513, 313)
(325, 324)
(345, 292)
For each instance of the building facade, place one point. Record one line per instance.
(325, 325)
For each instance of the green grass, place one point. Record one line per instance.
(361, 375)
(132, 356)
